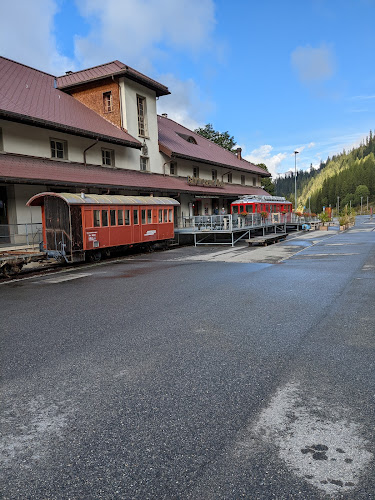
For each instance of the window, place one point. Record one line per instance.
(173, 168)
(59, 149)
(108, 157)
(143, 216)
(107, 102)
(235, 209)
(165, 215)
(120, 217)
(230, 178)
(149, 216)
(96, 218)
(195, 171)
(1, 141)
(104, 218)
(135, 217)
(243, 180)
(142, 119)
(254, 181)
(160, 216)
(144, 164)
(112, 217)
(214, 174)
(170, 215)
(127, 217)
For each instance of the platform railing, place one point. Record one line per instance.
(232, 222)
(20, 234)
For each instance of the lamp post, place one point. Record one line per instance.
(361, 204)
(295, 180)
(310, 205)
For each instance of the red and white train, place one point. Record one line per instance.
(77, 226)
(256, 204)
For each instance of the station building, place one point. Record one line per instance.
(98, 130)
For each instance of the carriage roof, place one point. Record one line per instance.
(102, 199)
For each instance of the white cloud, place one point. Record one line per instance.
(313, 64)
(137, 30)
(32, 43)
(311, 145)
(263, 155)
(184, 102)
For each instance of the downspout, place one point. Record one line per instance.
(84, 152)
(225, 173)
(166, 163)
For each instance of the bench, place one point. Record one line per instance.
(267, 239)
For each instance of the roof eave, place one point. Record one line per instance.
(29, 120)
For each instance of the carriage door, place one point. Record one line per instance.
(136, 225)
(76, 220)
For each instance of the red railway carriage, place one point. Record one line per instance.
(258, 204)
(77, 226)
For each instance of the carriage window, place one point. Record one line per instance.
(165, 215)
(235, 209)
(135, 216)
(127, 217)
(149, 216)
(143, 216)
(249, 208)
(104, 217)
(241, 209)
(160, 216)
(170, 215)
(120, 217)
(96, 218)
(113, 217)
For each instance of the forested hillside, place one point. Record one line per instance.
(349, 176)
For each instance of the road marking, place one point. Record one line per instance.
(313, 439)
(62, 279)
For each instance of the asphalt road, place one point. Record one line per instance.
(194, 374)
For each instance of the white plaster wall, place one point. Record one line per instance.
(34, 141)
(129, 91)
(27, 215)
(185, 169)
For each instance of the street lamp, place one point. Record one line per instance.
(295, 180)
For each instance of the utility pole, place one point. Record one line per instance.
(367, 203)
(361, 204)
(295, 180)
(338, 206)
(310, 204)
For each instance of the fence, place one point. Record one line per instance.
(20, 234)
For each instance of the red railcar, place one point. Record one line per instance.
(257, 204)
(76, 226)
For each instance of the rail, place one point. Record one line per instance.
(29, 234)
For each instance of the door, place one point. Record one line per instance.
(4, 228)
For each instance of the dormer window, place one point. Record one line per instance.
(214, 174)
(59, 149)
(107, 102)
(243, 180)
(188, 138)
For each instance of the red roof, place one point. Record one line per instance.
(173, 141)
(114, 68)
(45, 171)
(30, 96)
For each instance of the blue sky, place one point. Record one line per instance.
(278, 75)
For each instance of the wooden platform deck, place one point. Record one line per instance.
(266, 239)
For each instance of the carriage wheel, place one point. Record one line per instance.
(95, 256)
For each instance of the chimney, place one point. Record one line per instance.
(165, 115)
(68, 72)
(238, 153)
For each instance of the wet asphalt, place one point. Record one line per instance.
(164, 376)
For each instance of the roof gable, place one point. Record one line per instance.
(114, 68)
